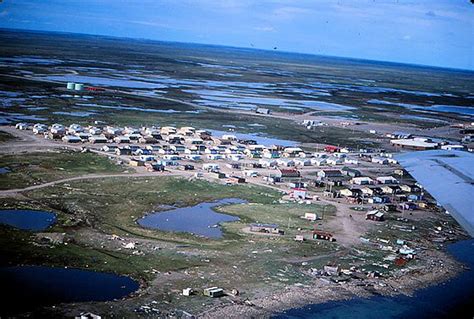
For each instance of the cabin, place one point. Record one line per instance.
(331, 149)
(362, 181)
(310, 216)
(298, 193)
(322, 235)
(325, 173)
(136, 162)
(155, 167)
(214, 292)
(289, 173)
(386, 180)
(97, 139)
(71, 139)
(236, 180)
(375, 215)
(261, 110)
(266, 228)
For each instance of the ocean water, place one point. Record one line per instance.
(451, 299)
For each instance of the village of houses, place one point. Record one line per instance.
(343, 175)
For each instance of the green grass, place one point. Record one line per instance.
(4, 137)
(18, 247)
(36, 168)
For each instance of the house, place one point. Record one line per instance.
(368, 191)
(298, 193)
(285, 162)
(112, 131)
(354, 192)
(250, 173)
(318, 161)
(331, 149)
(266, 228)
(351, 161)
(235, 157)
(331, 270)
(155, 167)
(123, 151)
(147, 139)
(347, 171)
(136, 162)
(213, 292)
(292, 151)
(326, 173)
(310, 216)
(380, 160)
(96, 139)
(386, 180)
(302, 162)
(39, 129)
(22, 126)
(334, 161)
(416, 143)
(375, 215)
(267, 162)
(409, 188)
(297, 185)
(236, 180)
(75, 128)
(214, 157)
(407, 206)
(122, 139)
(109, 148)
(390, 189)
(94, 130)
(299, 238)
(318, 234)
(72, 139)
(146, 158)
(58, 129)
(362, 181)
(288, 173)
(210, 167)
(399, 135)
(261, 110)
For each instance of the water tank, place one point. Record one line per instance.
(78, 86)
(70, 85)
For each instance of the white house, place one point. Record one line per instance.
(386, 180)
(362, 181)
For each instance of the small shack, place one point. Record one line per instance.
(266, 228)
(214, 292)
(375, 215)
(318, 234)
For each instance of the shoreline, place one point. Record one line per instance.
(323, 290)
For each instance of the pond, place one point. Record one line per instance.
(33, 220)
(4, 170)
(452, 299)
(30, 287)
(199, 220)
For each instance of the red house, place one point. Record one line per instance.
(332, 149)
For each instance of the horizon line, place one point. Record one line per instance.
(417, 65)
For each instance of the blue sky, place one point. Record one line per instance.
(430, 32)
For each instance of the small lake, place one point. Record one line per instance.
(200, 220)
(30, 287)
(4, 170)
(451, 299)
(33, 220)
